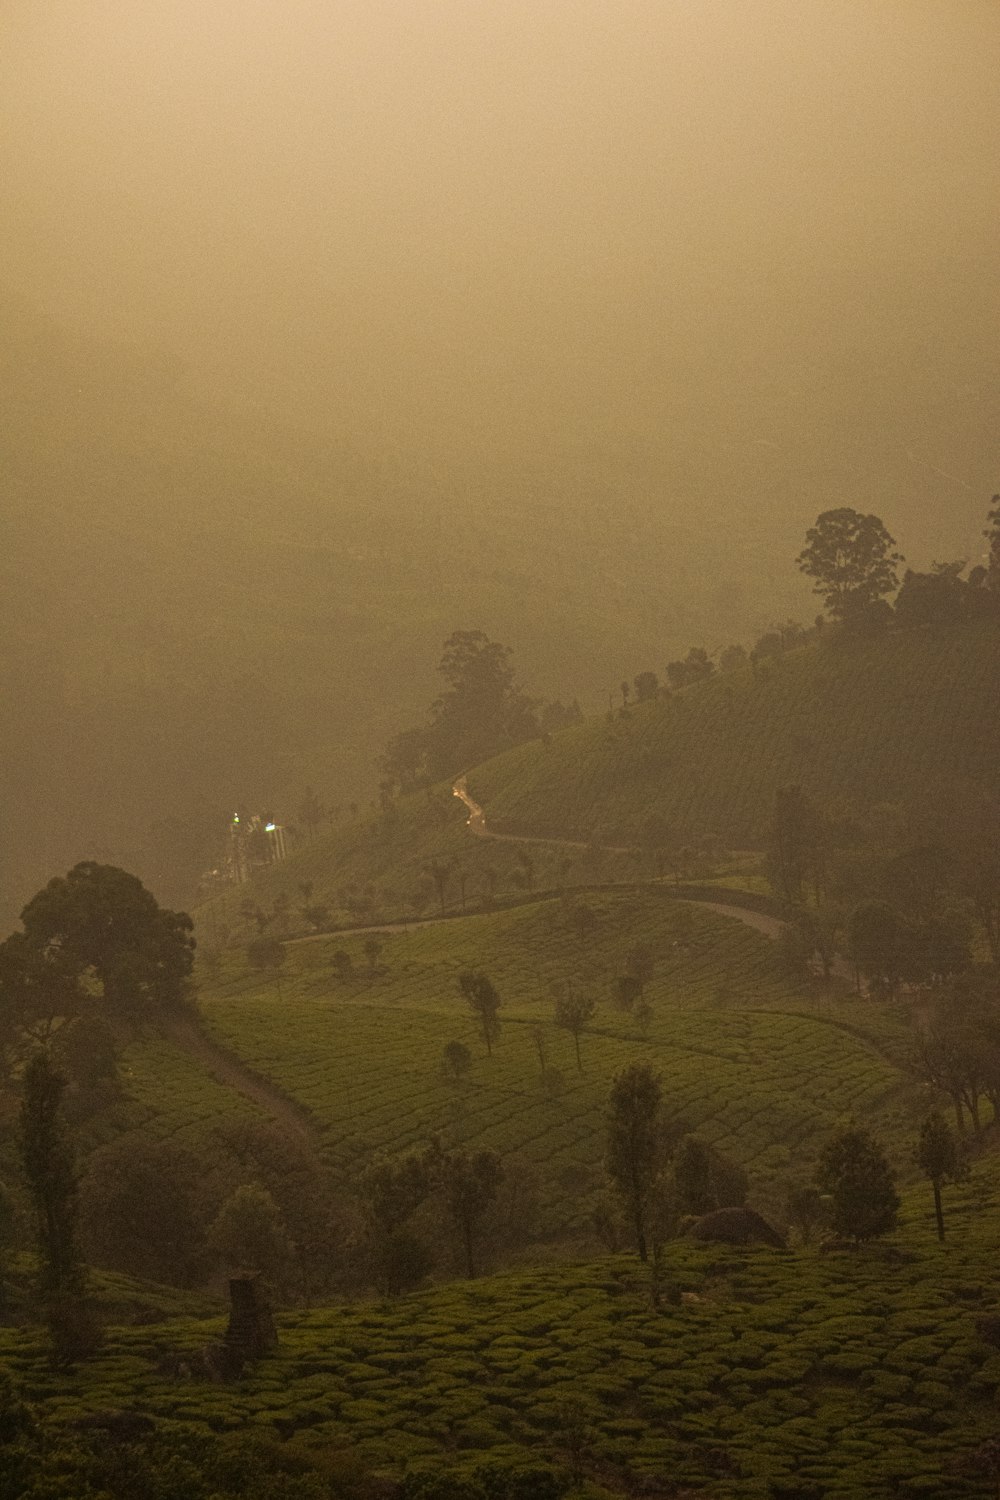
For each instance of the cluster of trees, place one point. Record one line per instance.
(660, 1176)
(482, 711)
(853, 563)
(904, 894)
(424, 1198)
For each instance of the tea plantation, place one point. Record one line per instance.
(760, 1373)
(750, 1060)
(858, 721)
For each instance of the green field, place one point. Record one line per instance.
(863, 723)
(854, 1375)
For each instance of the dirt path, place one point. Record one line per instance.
(226, 1068)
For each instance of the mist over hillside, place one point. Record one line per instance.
(328, 332)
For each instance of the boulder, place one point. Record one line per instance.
(736, 1226)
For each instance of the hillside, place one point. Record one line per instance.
(911, 719)
(751, 1059)
(761, 1375)
(854, 723)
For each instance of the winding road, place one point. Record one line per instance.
(771, 927)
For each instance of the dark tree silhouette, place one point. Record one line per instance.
(940, 1161)
(484, 1002)
(852, 559)
(853, 1170)
(635, 1143)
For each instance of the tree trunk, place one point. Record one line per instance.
(938, 1211)
(579, 1064)
(638, 1220)
(470, 1265)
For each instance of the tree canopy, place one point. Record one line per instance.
(481, 712)
(852, 559)
(100, 923)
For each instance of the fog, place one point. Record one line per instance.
(699, 271)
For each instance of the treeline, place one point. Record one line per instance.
(854, 566)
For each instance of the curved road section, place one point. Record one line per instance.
(771, 927)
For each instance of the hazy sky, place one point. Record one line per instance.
(741, 253)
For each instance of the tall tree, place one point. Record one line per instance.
(484, 1001)
(796, 845)
(50, 1172)
(635, 1143)
(852, 559)
(939, 1159)
(573, 1012)
(469, 1185)
(102, 922)
(312, 812)
(854, 1171)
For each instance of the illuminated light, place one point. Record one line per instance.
(270, 827)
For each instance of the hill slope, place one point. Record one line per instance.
(856, 723)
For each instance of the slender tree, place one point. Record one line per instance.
(573, 1013)
(635, 1143)
(469, 1184)
(50, 1171)
(484, 1001)
(940, 1161)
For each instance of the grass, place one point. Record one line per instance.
(845, 1375)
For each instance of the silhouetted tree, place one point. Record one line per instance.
(267, 955)
(469, 1184)
(50, 1173)
(439, 870)
(457, 1059)
(249, 1233)
(939, 1159)
(484, 1001)
(796, 845)
(573, 1013)
(103, 923)
(806, 1211)
(852, 559)
(854, 1171)
(311, 812)
(635, 1143)
(705, 1180)
(877, 939)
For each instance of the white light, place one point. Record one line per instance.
(270, 827)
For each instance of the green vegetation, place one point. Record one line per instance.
(760, 1066)
(855, 723)
(843, 1375)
